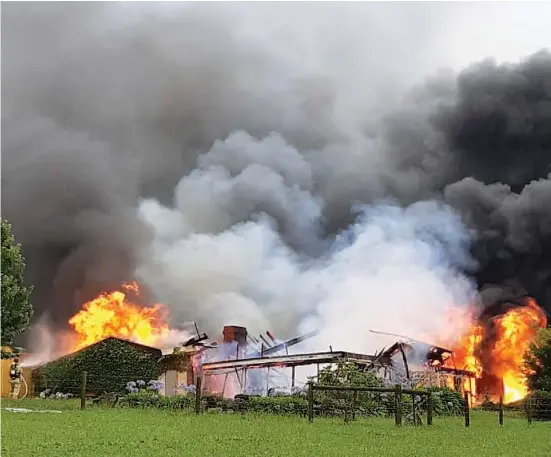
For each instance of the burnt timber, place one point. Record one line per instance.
(288, 361)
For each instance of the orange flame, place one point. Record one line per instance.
(516, 330)
(504, 361)
(113, 314)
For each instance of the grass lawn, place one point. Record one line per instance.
(98, 432)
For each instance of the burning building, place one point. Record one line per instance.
(494, 348)
(279, 199)
(484, 358)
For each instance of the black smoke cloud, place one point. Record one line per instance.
(499, 133)
(102, 108)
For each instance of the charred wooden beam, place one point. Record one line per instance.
(196, 340)
(293, 360)
(290, 342)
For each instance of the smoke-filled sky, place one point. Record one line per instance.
(283, 166)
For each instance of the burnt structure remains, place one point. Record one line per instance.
(244, 364)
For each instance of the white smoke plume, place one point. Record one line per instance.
(396, 268)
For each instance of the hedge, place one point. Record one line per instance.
(110, 365)
(147, 399)
(445, 403)
(326, 403)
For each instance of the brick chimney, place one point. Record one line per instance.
(238, 334)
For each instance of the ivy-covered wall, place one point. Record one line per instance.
(110, 364)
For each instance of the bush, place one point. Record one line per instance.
(348, 374)
(446, 402)
(109, 363)
(538, 362)
(150, 399)
(284, 404)
(541, 405)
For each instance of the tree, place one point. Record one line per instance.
(16, 306)
(538, 362)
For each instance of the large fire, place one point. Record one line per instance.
(114, 314)
(495, 351)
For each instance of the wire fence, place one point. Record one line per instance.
(534, 407)
(402, 406)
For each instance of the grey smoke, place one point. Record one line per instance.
(247, 134)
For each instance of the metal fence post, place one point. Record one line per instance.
(83, 390)
(310, 401)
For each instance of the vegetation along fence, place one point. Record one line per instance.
(406, 406)
(403, 406)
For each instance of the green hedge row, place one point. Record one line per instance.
(148, 399)
(444, 403)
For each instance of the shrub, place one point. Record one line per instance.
(284, 404)
(446, 402)
(150, 399)
(541, 405)
(348, 374)
(538, 362)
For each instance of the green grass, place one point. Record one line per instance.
(133, 432)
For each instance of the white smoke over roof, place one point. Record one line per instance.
(395, 267)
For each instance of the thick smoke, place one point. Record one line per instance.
(393, 267)
(254, 167)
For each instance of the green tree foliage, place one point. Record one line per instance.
(110, 365)
(538, 362)
(348, 374)
(16, 305)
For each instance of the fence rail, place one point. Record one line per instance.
(421, 402)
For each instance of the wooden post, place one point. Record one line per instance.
(198, 396)
(413, 409)
(310, 401)
(83, 390)
(224, 385)
(398, 405)
(500, 411)
(529, 409)
(429, 408)
(354, 402)
(466, 409)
